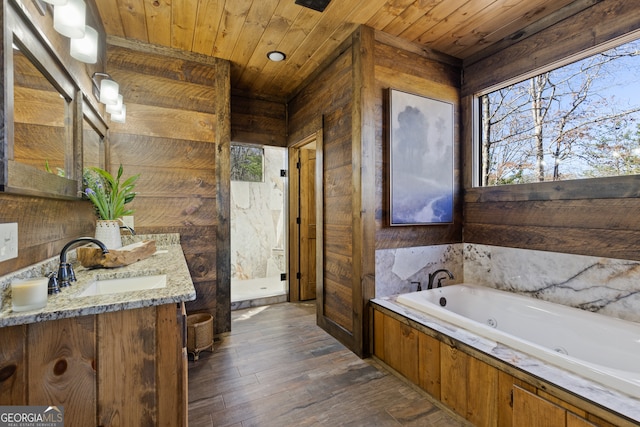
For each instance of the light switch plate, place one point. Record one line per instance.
(8, 241)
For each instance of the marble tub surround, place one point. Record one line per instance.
(604, 285)
(168, 259)
(397, 268)
(613, 400)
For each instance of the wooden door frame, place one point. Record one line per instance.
(294, 231)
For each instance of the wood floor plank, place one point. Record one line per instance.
(277, 368)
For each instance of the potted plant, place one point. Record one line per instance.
(109, 197)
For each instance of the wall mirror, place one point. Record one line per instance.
(40, 108)
(40, 117)
(94, 132)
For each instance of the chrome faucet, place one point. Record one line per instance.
(433, 275)
(65, 270)
(126, 227)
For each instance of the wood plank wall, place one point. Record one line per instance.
(258, 121)
(44, 226)
(176, 136)
(355, 168)
(399, 66)
(327, 99)
(596, 217)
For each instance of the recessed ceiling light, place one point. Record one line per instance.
(276, 56)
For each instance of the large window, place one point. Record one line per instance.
(578, 121)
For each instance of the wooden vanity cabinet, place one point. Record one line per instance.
(121, 368)
(463, 383)
(469, 384)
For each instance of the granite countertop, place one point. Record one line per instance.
(615, 401)
(168, 259)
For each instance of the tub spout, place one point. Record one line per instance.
(433, 275)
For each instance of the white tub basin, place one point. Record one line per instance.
(125, 284)
(601, 348)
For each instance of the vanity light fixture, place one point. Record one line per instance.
(107, 91)
(276, 56)
(86, 48)
(69, 18)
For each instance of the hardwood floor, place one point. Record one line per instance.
(277, 368)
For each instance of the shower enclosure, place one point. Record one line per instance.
(258, 225)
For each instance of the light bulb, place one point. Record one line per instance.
(276, 56)
(115, 108)
(120, 118)
(109, 91)
(86, 48)
(69, 19)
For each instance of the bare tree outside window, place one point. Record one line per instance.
(247, 163)
(578, 121)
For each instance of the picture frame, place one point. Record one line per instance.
(421, 159)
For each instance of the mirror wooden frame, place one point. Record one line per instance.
(23, 179)
(98, 124)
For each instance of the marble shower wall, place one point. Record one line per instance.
(258, 221)
(397, 268)
(604, 285)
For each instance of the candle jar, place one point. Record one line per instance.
(29, 294)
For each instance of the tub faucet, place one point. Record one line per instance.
(433, 275)
(65, 270)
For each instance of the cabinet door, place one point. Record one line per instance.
(171, 365)
(127, 361)
(530, 410)
(61, 360)
(13, 366)
(142, 351)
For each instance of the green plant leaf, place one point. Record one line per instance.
(108, 195)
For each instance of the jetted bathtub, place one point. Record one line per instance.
(601, 348)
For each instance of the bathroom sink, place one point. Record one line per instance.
(125, 284)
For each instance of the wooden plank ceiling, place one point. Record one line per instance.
(244, 31)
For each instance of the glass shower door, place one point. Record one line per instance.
(258, 225)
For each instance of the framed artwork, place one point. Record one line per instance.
(420, 159)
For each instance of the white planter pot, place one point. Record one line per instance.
(108, 232)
